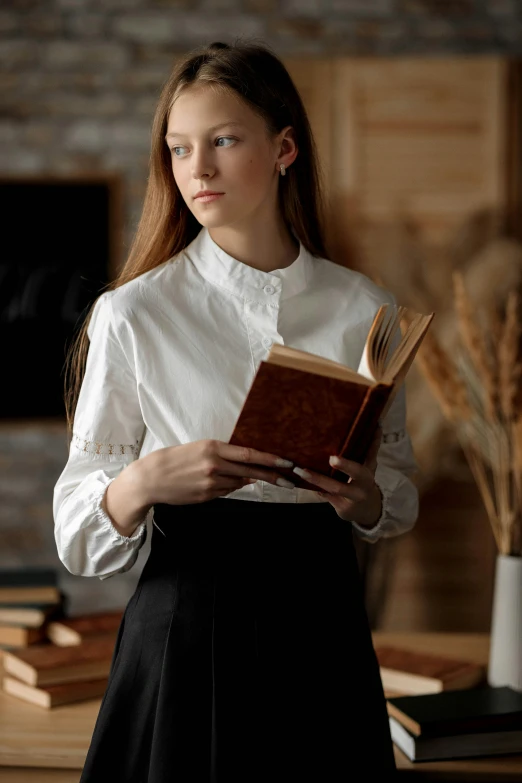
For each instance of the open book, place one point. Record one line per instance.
(305, 408)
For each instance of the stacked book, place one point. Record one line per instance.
(29, 598)
(409, 672)
(484, 721)
(50, 658)
(441, 708)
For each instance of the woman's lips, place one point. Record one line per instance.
(210, 197)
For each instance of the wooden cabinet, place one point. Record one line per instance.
(427, 138)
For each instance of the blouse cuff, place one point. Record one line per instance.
(106, 521)
(372, 534)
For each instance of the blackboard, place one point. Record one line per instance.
(54, 261)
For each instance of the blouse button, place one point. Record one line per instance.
(269, 289)
(267, 342)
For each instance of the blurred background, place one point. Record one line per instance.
(416, 109)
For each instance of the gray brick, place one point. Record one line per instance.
(261, 6)
(131, 135)
(9, 22)
(47, 81)
(88, 135)
(125, 5)
(18, 53)
(363, 7)
(72, 104)
(17, 160)
(437, 7)
(144, 78)
(9, 81)
(503, 7)
(145, 106)
(299, 29)
(9, 131)
(220, 5)
(91, 54)
(436, 29)
(150, 27)
(302, 8)
(41, 24)
(87, 25)
(74, 4)
(224, 27)
(39, 134)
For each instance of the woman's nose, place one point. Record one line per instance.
(201, 166)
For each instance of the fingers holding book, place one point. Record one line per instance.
(359, 498)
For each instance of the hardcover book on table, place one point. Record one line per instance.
(54, 695)
(411, 671)
(29, 585)
(457, 724)
(32, 615)
(67, 631)
(47, 664)
(455, 746)
(461, 711)
(317, 407)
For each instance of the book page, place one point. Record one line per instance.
(297, 359)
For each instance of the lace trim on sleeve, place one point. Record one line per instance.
(104, 449)
(393, 437)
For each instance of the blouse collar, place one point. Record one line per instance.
(226, 271)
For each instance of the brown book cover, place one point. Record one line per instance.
(305, 417)
(305, 408)
(414, 672)
(32, 615)
(74, 630)
(44, 594)
(47, 664)
(20, 635)
(55, 695)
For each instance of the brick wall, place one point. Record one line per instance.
(79, 79)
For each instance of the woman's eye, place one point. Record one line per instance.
(221, 138)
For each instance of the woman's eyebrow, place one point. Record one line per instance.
(213, 128)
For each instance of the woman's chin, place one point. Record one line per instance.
(215, 220)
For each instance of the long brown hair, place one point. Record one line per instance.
(167, 225)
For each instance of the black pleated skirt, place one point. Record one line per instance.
(244, 655)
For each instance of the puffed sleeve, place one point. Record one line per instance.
(395, 464)
(107, 431)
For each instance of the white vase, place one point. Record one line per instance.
(505, 654)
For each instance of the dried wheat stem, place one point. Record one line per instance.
(479, 474)
(509, 369)
(443, 379)
(476, 345)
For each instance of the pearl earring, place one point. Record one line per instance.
(282, 169)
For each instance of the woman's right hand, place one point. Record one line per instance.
(202, 470)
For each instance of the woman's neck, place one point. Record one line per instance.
(259, 248)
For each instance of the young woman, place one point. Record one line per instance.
(245, 652)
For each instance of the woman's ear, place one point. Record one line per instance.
(288, 149)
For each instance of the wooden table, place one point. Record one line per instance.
(49, 746)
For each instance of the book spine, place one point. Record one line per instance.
(358, 441)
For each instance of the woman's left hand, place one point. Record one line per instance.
(360, 499)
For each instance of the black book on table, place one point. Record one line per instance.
(426, 747)
(485, 709)
(29, 585)
(29, 576)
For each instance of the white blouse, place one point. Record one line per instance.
(172, 354)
